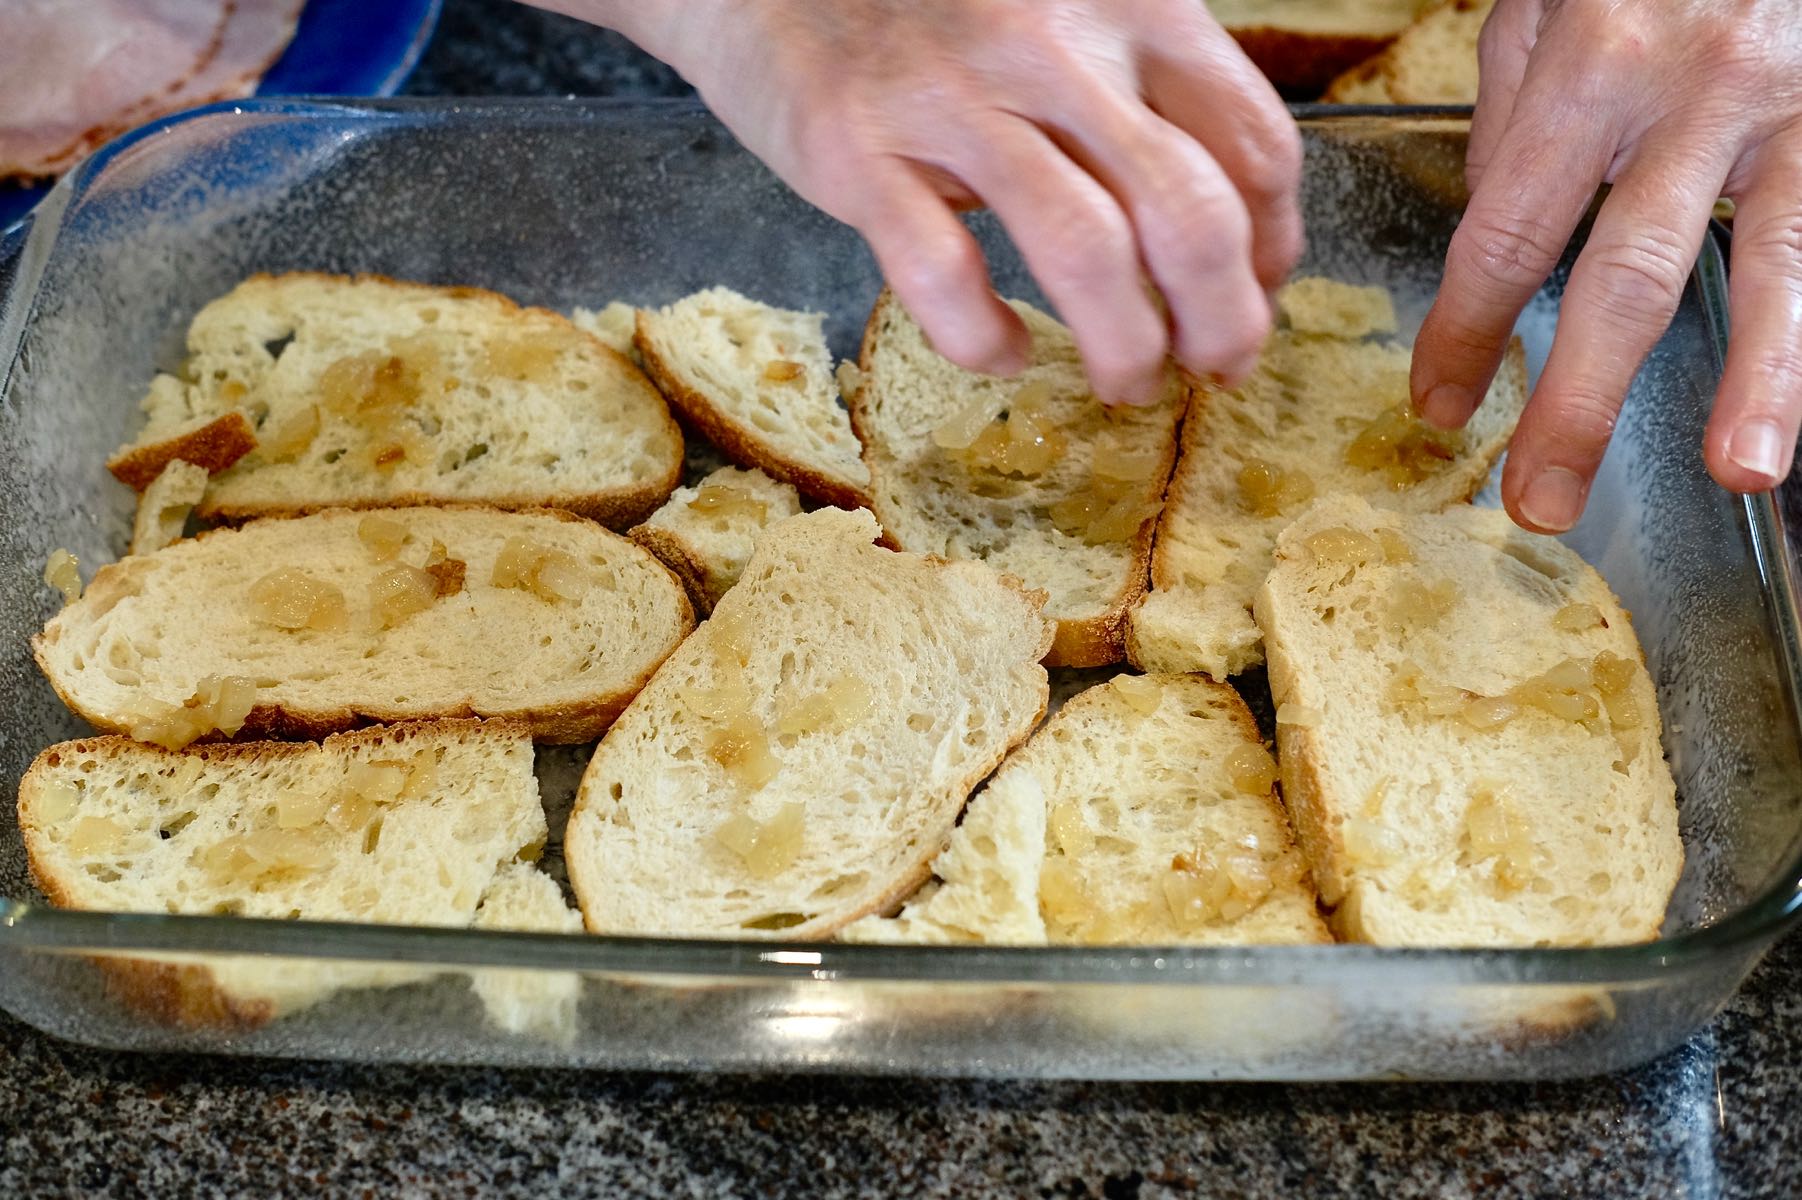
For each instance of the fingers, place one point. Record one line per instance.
(1510, 239)
(1216, 96)
(937, 270)
(1081, 247)
(1752, 434)
(1193, 231)
(1502, 52)
(1622, 292)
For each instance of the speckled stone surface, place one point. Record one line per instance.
(1715, 1118)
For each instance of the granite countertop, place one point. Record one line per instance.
(1713, 1118)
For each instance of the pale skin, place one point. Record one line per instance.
(1149, 175)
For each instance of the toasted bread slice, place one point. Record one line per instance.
(404, 825)
(1302, 44)
(1468, 736)
(801, 759)
(164, 507)
(1320, 415)
(705, 533)
(1433, 61)
(366, 392)
(316, 624)
(758, 381)
(1161, 827)
(1031, 475)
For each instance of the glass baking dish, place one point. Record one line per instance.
(565, 203)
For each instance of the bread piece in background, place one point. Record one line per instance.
(758, 381)
(365, 392)
(1159, 825)
(1031, 474)
(404, 825)
(1300, 45)
(801, 759)
(615, 324)
(706, 533)
(309, 625)
(1468, 736)
(164, 507)
(1321, 416)
(1433, 61)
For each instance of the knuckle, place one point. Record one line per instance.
(1773, 238)
(1202, 232)
(1515, 250)
(1271, 165)
(936, 266)
(1583, 419)
(1645, 272)
(1079, 244)
(1776, 372)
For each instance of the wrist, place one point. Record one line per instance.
(672, 30)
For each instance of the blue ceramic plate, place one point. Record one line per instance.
(340, 48)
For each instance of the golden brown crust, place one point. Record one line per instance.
(1307, 796)
(683, 560)
(1349, 86)
(214, 446)
(1306, 62)
(565, 724)
(743, 446)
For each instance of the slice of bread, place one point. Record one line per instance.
(1468, 735)
(1321, 415)
(758, 381)
(1031, 474)
(540, 1004)
(705, 533)
(985, 885)
(1302, 44)
(366, 392)
(405, 825)
(1160, 826)
(616, 325)
(305, 626)
(1433, 61)
(799, 761)
(164, 507)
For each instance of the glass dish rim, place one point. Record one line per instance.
(31, 926)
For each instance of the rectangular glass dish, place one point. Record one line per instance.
(576, 203)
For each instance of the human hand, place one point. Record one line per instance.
(1673, 102)
(1115, 139)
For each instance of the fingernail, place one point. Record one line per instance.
(1447, 405)
(1757, 446)
(1554, 500)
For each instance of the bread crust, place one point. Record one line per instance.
(684, 562)
(215, 446)
(1302, 61)
(559, 724)
(738, 443)
(1096, 641)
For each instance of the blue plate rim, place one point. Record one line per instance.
(388, 85)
